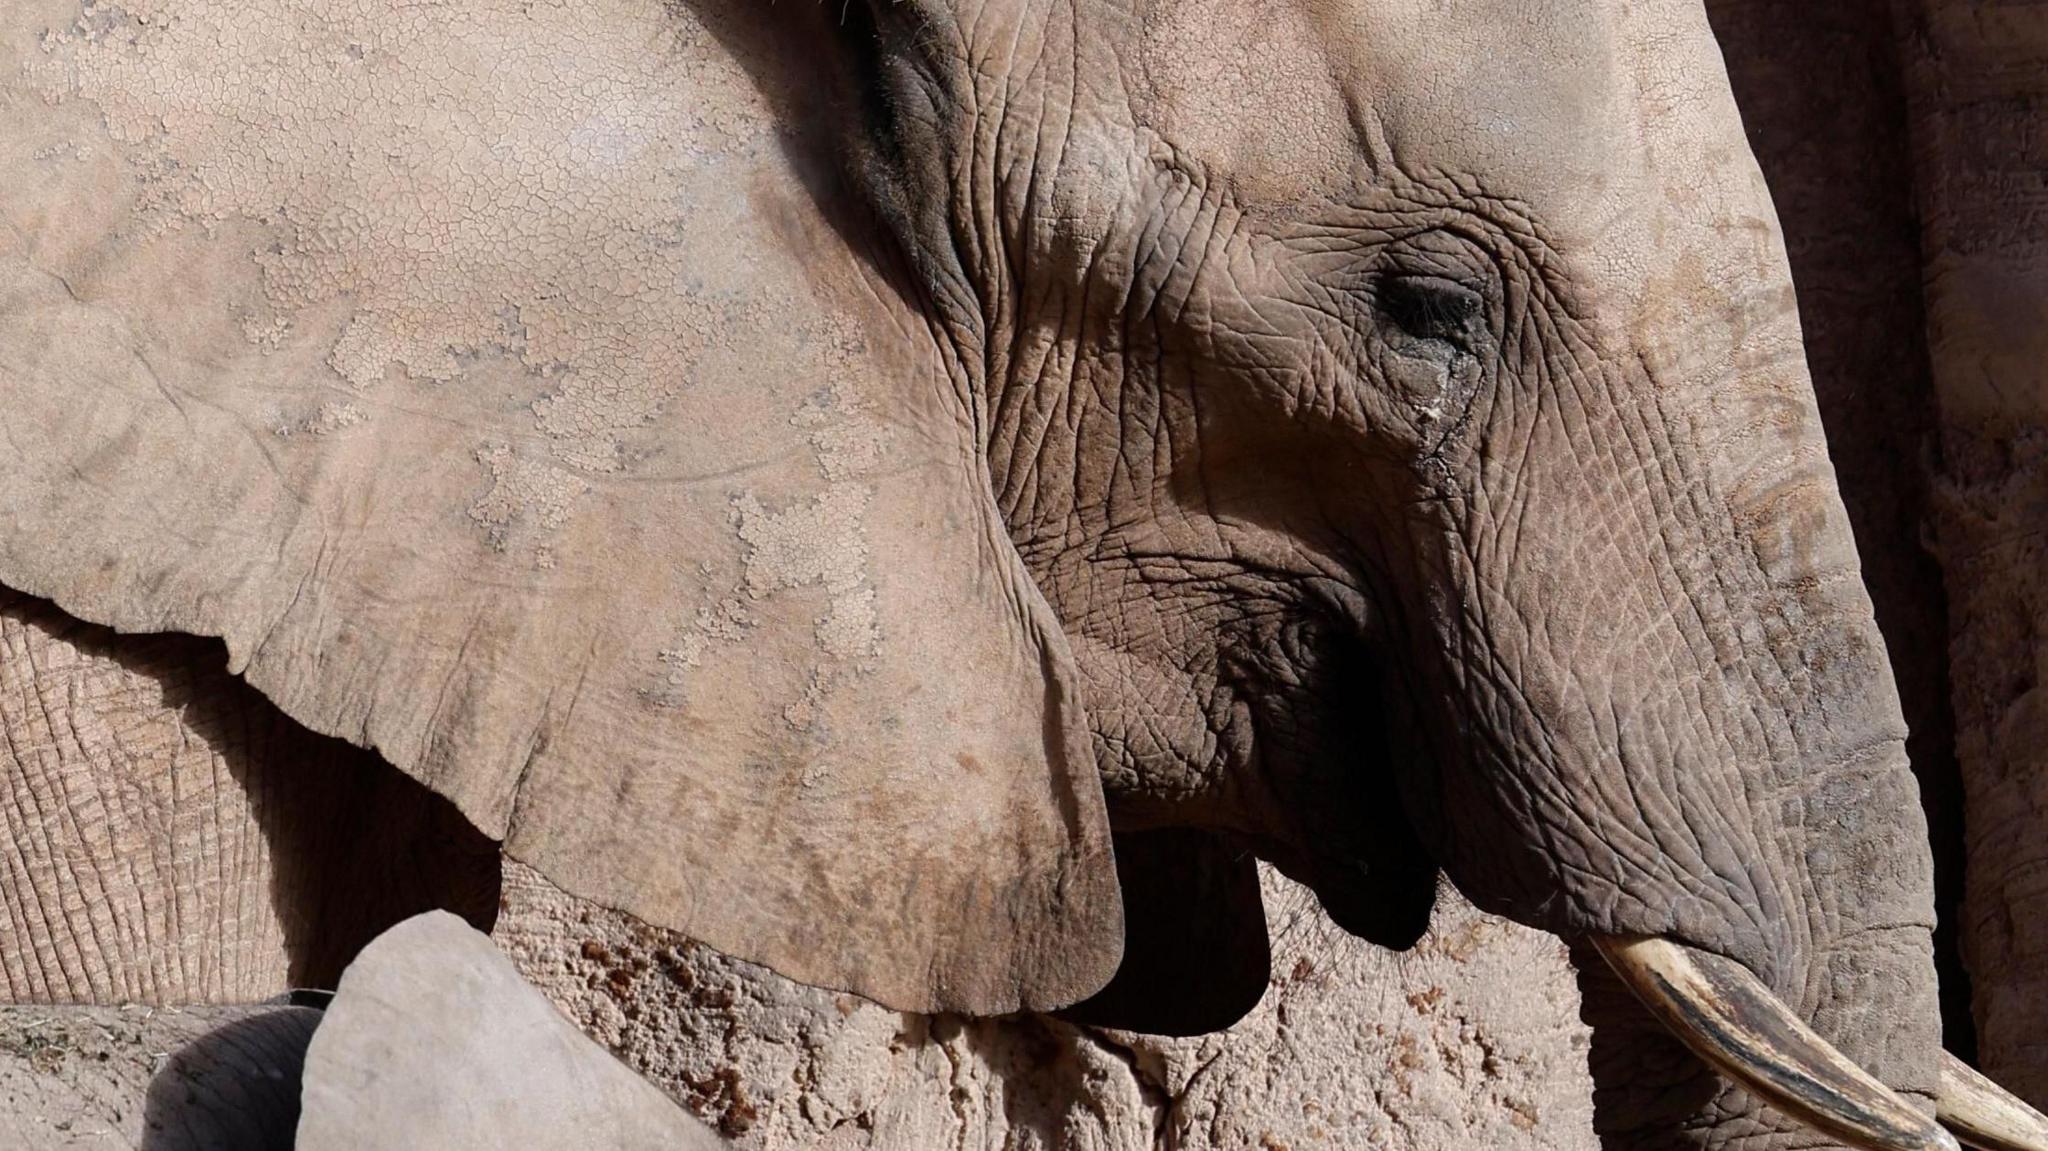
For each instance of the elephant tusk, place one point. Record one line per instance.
(1725, 1014)
(1985, 1115)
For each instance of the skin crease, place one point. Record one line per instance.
(1398, 406)
(1389, 415)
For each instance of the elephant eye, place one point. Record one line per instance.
(1430, 307)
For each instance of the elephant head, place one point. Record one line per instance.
(808, 475)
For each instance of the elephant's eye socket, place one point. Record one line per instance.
(1430, 307)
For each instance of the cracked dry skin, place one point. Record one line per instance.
(1395, 367)
(1470, 1040)
(768, 504)
(497, 385)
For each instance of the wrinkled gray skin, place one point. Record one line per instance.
(1401, 407)
(1397, 467)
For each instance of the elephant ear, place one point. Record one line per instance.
(492, 380)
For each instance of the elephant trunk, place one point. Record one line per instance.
(1843, 819)
(1729, 1019)
(1802, 969)
(1674, 719)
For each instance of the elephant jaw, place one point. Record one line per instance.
(1727, 1017)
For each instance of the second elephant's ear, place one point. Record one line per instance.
(492, 381)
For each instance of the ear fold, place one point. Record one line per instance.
(494, 386)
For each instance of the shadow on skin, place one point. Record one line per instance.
(1196, 955)
(354, 845)
(1644, 1079)
(236, 1088)
(758, 37)
(1851, 227)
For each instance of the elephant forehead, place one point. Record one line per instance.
(1333, 86)
(1299, 95)
(1608, 124)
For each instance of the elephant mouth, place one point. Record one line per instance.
(1726, 1016)
(1377, 879)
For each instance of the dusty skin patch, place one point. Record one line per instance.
(819, 542)
(523, 492)
(329, 418)
(436, 220)
(446, 227)
(589, 326)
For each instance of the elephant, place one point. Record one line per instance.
(919, 494)
(1974, 84)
